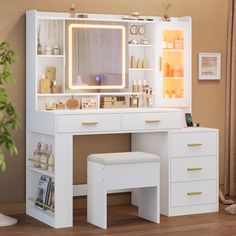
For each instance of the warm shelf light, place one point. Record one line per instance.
(70, 54)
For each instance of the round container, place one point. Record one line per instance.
(44, 162)
(170, 45)
(37, 161)
(56, 50)
(48, 50)
(72, 103)
(164, 44)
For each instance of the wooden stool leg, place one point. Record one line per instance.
(149, 204)
(97, 196)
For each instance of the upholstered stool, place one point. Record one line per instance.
(125, 170)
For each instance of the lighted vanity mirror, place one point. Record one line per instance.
(96, 56)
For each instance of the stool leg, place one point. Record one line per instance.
(135, 197)
(97, 196)
(149, 205)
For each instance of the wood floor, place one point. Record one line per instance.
(123, 221)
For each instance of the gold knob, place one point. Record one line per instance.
(194, 193)
(89, 123)
(194, 169)
(152, 121)
(194, 144)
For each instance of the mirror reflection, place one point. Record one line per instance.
(96, 56)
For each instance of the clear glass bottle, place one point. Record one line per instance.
(44, 157)
(37, 155)
(72, 11)
(51, 161)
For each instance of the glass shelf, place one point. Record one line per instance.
(85, 94)
(172, 50)
(174, 78)
(141, 69)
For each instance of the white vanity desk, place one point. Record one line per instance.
(189, 156)
(153, 130)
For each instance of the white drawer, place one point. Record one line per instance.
(193, 144)
(88, 123)
(193, 168)
(193, 193)
(152, 121)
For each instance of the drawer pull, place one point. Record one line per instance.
(194, 169)
(194, 193)
(89, 123)
(152, 121)
(194, 144)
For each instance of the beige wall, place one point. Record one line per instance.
(209, 35)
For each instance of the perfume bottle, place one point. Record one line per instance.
(134, 101)
(44, 158)
(134, 86)
(51, 161)
(37, 155)
(39, 45)
(72, 11)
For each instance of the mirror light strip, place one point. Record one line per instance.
(94, 26)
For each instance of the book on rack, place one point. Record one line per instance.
(51, 201)
(43, 192)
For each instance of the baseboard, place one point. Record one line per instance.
(12, 208)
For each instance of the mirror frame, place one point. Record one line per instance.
(73, 26)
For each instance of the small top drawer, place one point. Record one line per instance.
(88, 123)
(193, 144)
(152, 121)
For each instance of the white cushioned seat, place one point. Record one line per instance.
(123, 158)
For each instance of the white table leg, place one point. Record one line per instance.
(97, 196)
(63, 180)
(149, 208)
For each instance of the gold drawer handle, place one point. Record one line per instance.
(194, 144)
(152, 121)
(194, 169)
(194, 193)
(89, 123)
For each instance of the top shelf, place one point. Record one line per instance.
(50, 56)
(172, 50)
(141, 45)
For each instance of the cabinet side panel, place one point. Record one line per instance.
(63, 181)
(31, 32)
(156, 143)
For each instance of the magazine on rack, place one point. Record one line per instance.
(51, 201)
(43, 192)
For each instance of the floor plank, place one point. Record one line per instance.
(123, 221)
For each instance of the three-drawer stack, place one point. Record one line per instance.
(193, 171)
